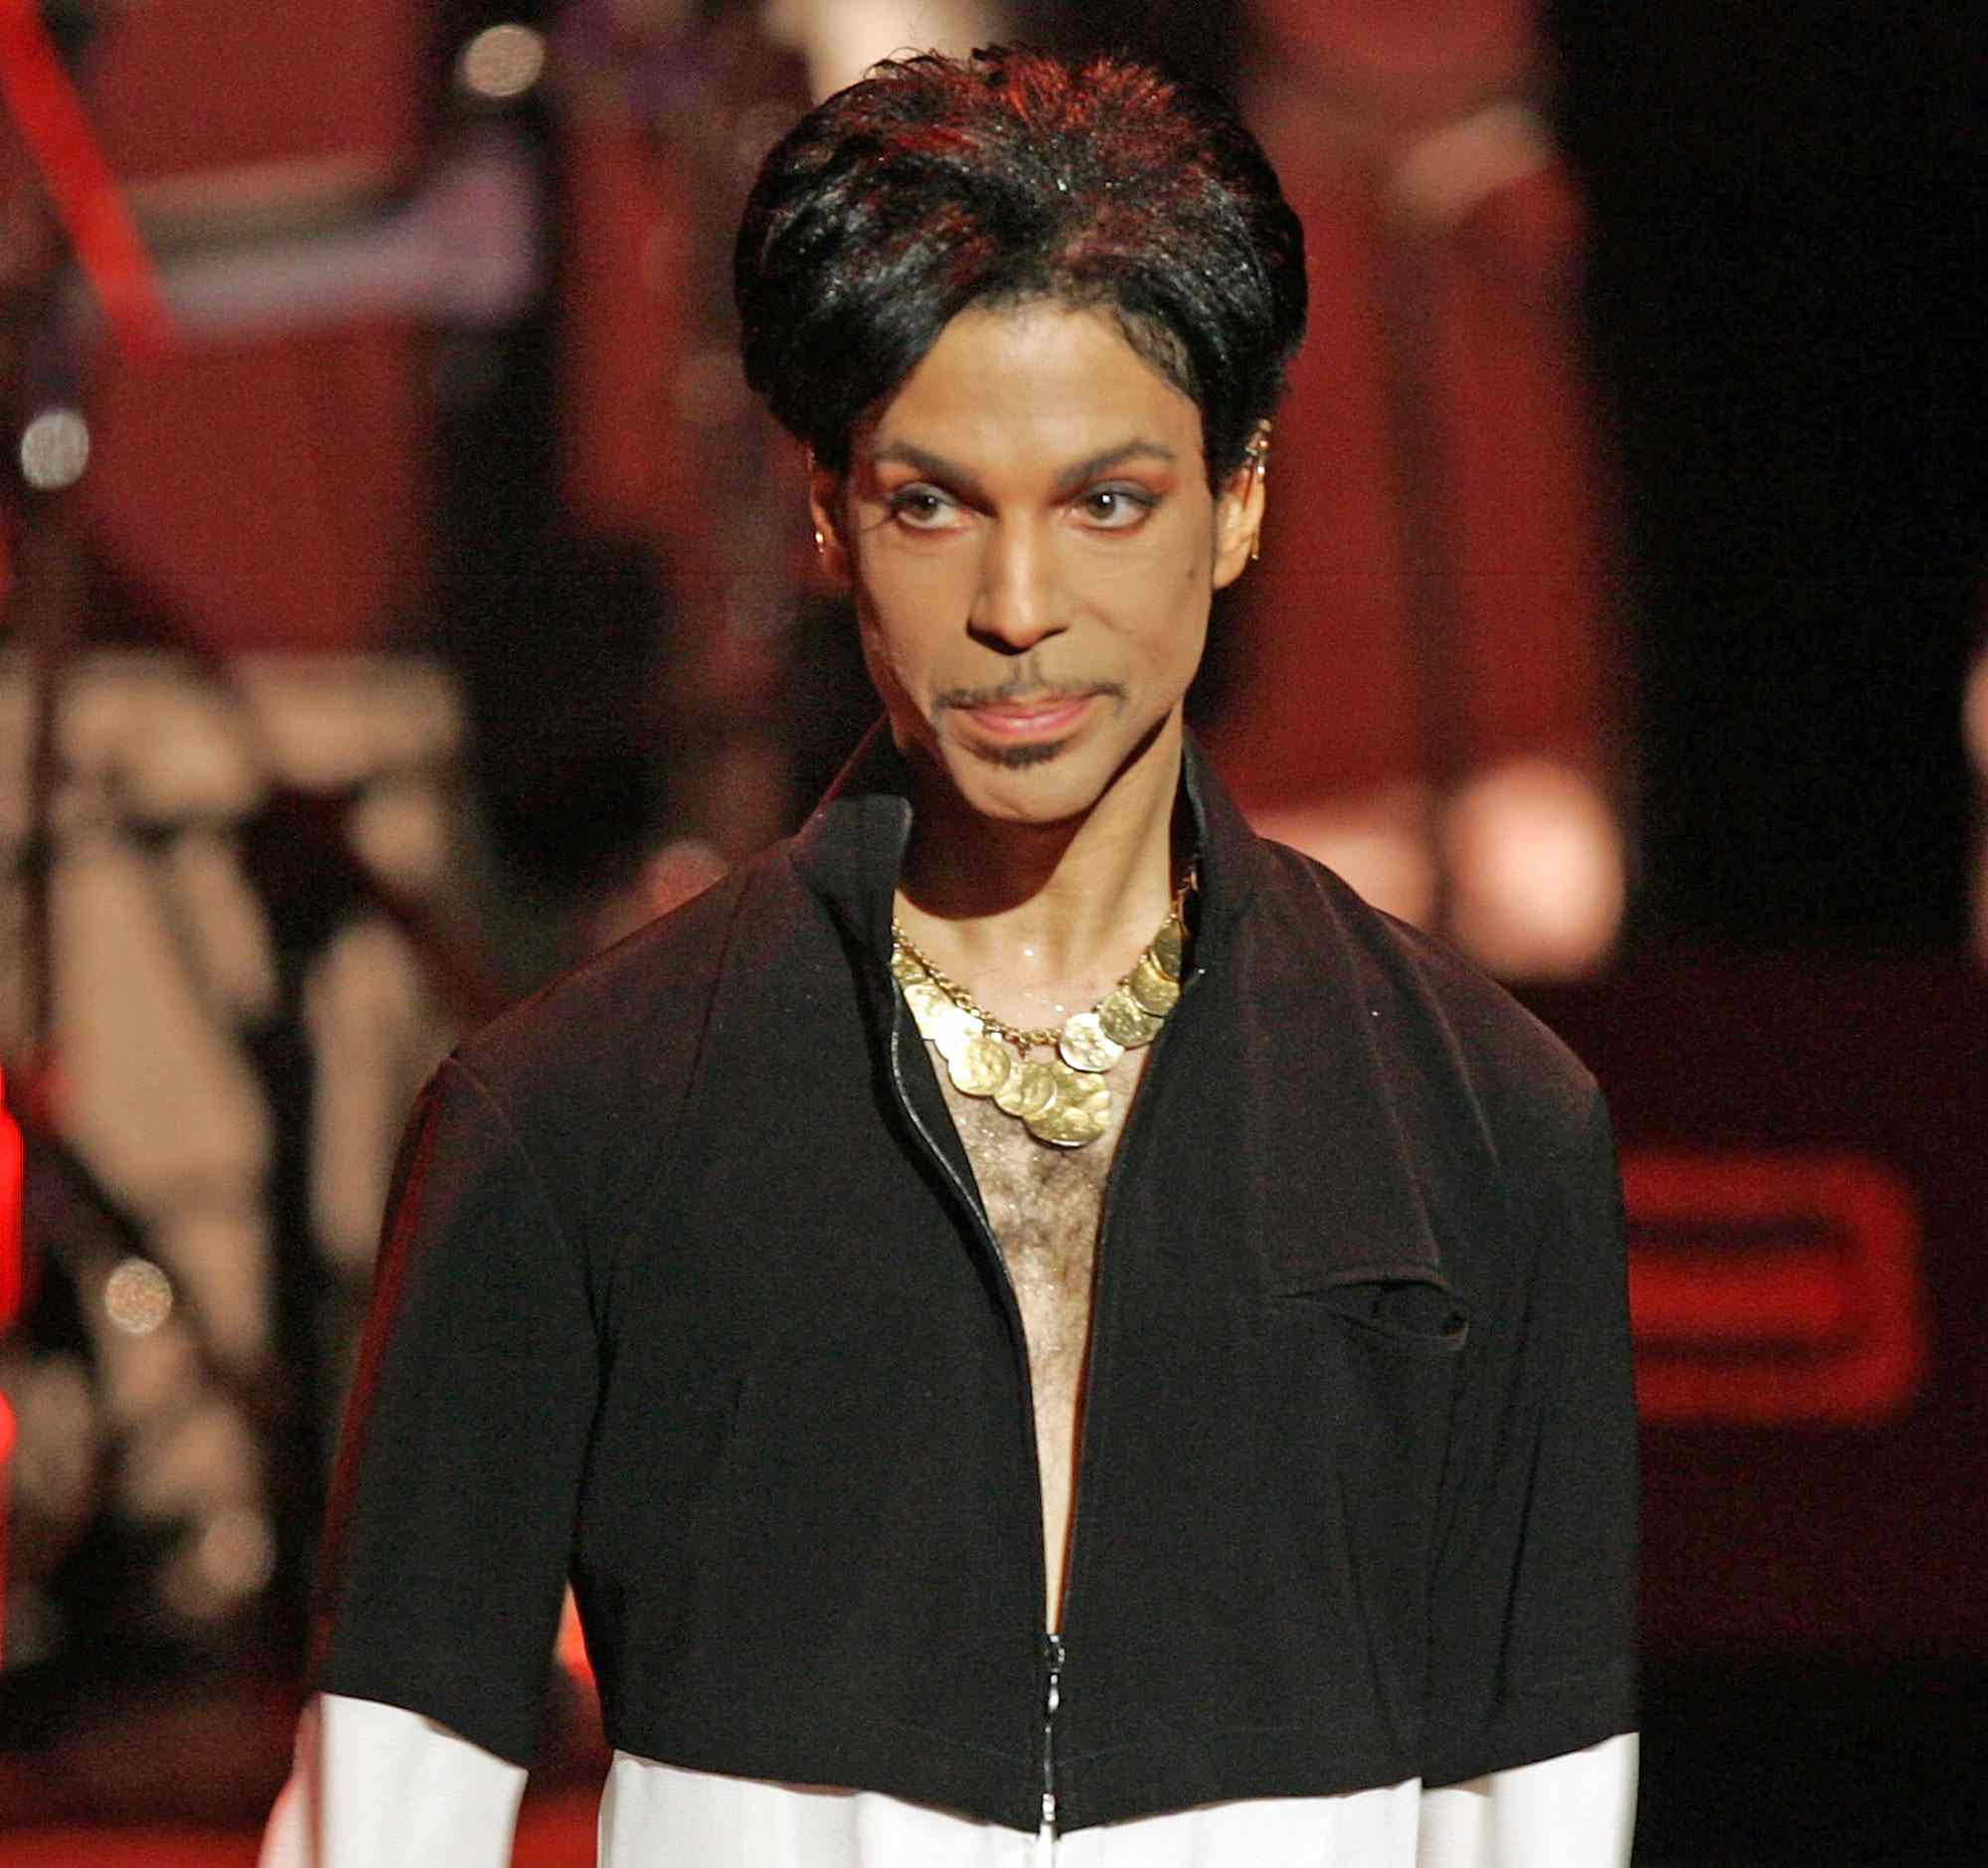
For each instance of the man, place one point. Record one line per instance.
(1033, 1320)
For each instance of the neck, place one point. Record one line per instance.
(1032, 912)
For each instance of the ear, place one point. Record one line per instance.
(1239, 512)
(825, 510)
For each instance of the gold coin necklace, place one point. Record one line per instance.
(1066, 1102)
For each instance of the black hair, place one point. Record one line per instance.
(935, 184)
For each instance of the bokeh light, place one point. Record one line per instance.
(138, 1296)
(502, 62)
(54, 449)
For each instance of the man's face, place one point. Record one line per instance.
(1029, 533)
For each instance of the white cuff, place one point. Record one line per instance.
(376, 1784)
(1578, 1810)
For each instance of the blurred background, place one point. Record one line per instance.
(404, 597)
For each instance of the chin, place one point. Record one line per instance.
(1041, 783)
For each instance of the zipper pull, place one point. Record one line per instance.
(1054, 1656)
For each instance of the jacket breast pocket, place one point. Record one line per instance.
(1362, 1376)
(1377, 1358)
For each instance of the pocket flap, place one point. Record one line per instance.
(1422, 1308)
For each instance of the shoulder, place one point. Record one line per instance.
(1495, 1123)
(589, 1072)
(1428, 1011)
(643, 995)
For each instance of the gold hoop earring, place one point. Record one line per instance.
(1257, 457)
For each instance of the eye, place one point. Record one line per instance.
(1115, 508)
(921, 508)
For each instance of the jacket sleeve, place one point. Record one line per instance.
(373, 1784)
(453, 1511)
(1533, 1599)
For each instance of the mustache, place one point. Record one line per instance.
(1027, 689)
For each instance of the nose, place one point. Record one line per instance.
(1016, 599)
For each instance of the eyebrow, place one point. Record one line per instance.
(937, 467)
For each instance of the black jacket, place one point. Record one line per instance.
(686, 1288)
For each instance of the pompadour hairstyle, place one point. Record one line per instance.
(937, 184)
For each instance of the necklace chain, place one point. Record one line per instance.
(1067, 1101)
(1042, 1036)
(1022, 1041)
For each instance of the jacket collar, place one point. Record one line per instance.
(850, 849)
(1355, 1149)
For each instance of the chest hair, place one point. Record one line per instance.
(1044, 1204)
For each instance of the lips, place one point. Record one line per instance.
(1048, 718)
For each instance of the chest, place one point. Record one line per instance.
(1046, 1207)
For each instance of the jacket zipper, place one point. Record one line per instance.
(1054, 1656)
(1055, 1652)
(970, 1198)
